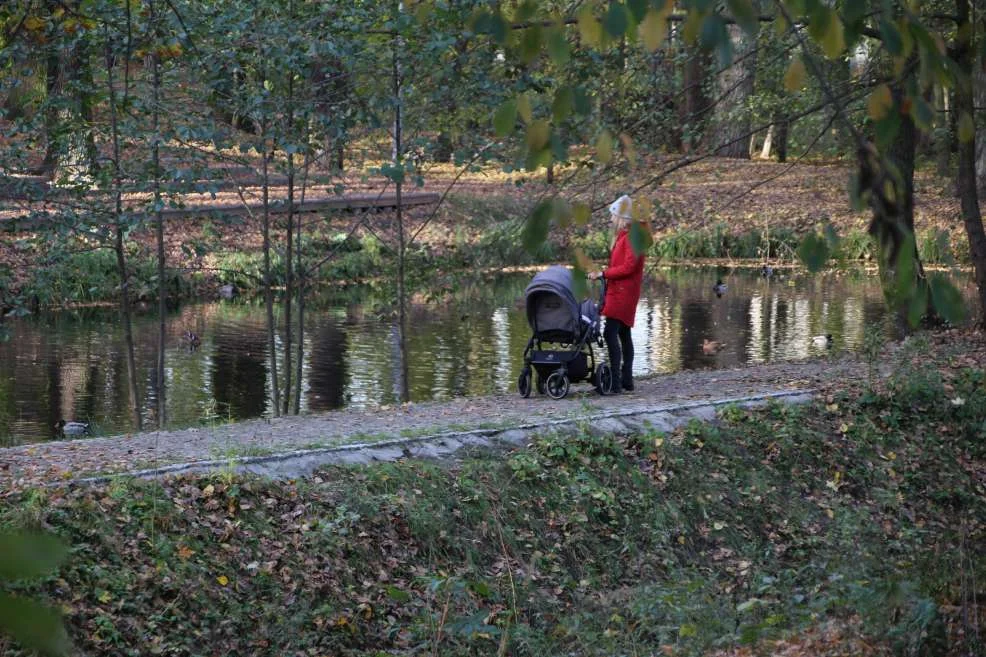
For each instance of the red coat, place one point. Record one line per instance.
(624, 277)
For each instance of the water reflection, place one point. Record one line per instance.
(70, 364)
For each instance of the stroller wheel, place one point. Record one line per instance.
(524, 383)
(557, 385)
(603, 379)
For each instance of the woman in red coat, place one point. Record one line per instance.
(624, 277)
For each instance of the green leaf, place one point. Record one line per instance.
(653, 29)
(27, 556)
(922, 113)
(834, 39)
(892, 40)
(524, 108)
(581, 213)
(583, 103)
(590, 30)
(887, 129)
(640, 238)
(563, 104)
(745, 16)
(880, 102)
(947, 299)
(530, 44)
(715, 36)
(638, 9)
(905, 269)
(558, 48)
(967, 128)
(794, 78)
(33, 625)
(604, 147)
(505, 118)
(499, 28)
(917, 307)
(536, 228)
(538, 133)
(398, 595)
(813, 252)
(616, 20)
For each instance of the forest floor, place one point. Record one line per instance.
(736, 196)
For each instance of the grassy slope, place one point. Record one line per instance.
(865, 512)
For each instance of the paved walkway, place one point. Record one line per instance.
(29, 465)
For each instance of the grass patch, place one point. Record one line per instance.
(864, 510)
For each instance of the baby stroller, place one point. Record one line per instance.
(556, 317)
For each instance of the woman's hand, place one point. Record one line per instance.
(595, 275)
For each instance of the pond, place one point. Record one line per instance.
(70, 364)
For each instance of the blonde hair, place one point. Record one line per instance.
(619, 223)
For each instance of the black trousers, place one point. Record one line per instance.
(620, 347)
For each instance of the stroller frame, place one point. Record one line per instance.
(557, 369)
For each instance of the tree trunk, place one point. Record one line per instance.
(765, 151)
(696, 99)
(979, 98)
(289, 259)
(943, 140)
(735, 86)
(398, 153)
(120, 230)
(971, 214)
(268, 289)
(782, 124)
(162, 285)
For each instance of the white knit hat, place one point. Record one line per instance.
(622, 207)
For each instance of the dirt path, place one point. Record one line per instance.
(29, 465)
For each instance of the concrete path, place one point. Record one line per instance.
(293, 445)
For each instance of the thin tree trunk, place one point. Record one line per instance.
(731, 119)
(162, 286)
(943, 141)
(405, 391)
(120, 229)
(968, 195)
(765, 151)
(268, 290)
(289, 259)
(696, 100)
(302, 276)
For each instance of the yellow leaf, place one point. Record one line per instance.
(681, 540)
(33, 23)
(582, 260)
(693, 24)
(879, 102)
(184, 552)
(834, 39)
(538, 134)
(208, 491)
(628, 148)
(843, 428)
(832, 407)
(223, 580)
(105, 597)
(643, 209)
(830, 513)
(658, 442)
(581, 213)
(604, 147)
(653, 29)
(590, 29)
(524, 108)
(967, 129)
(781, 25)
(794, 78)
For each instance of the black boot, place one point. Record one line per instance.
(615, 387)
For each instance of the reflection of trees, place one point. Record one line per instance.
(239, 370)
(328, 368)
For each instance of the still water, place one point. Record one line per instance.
(70, 364)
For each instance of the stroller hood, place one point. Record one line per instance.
(551, 303)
